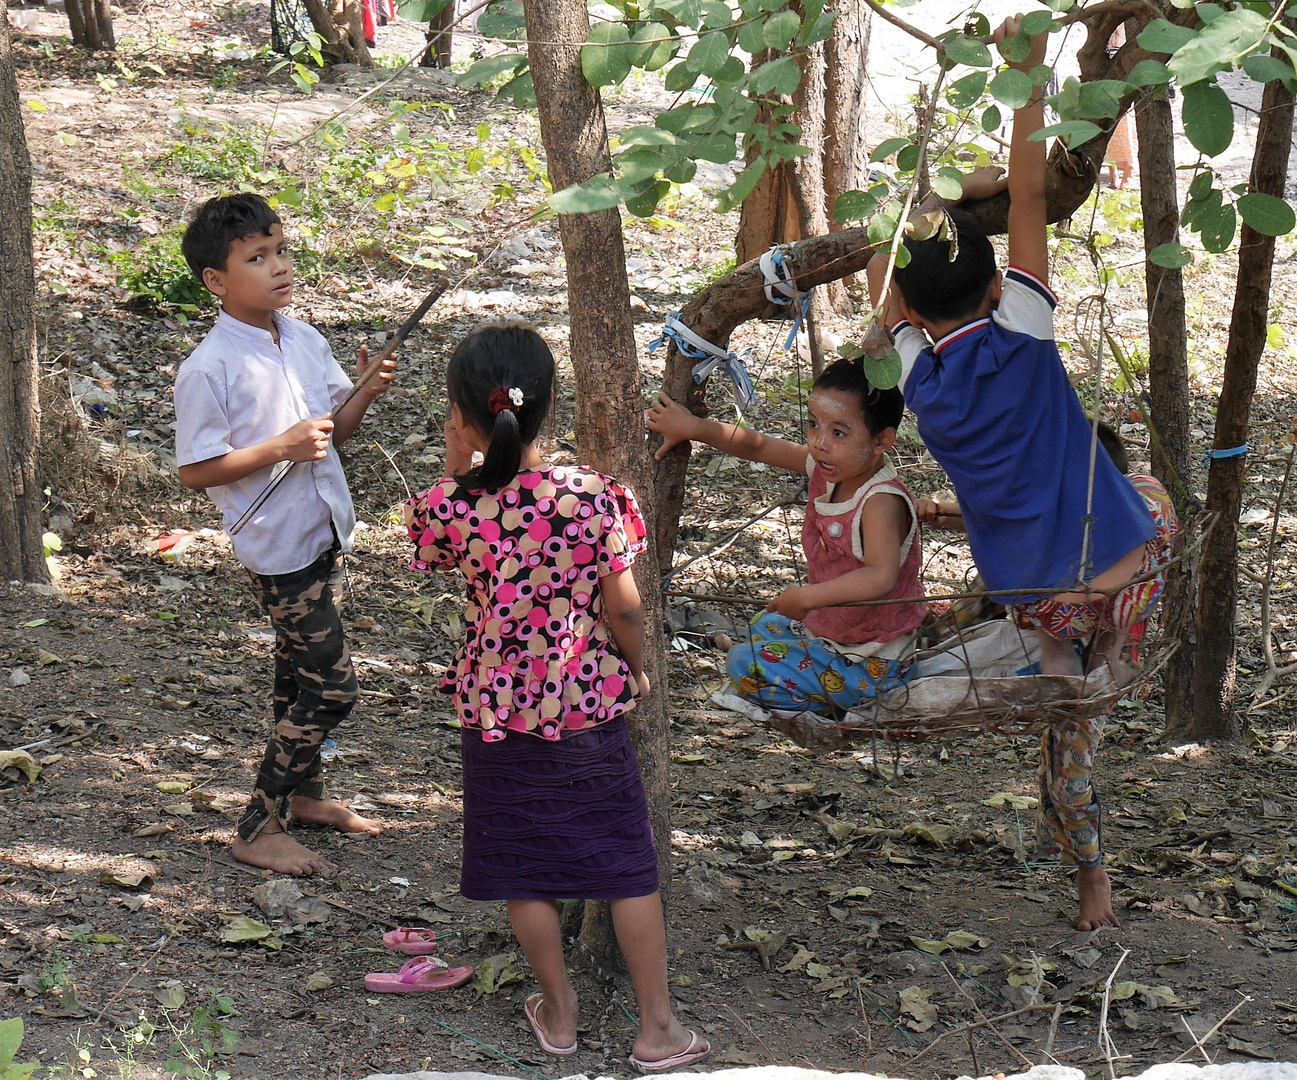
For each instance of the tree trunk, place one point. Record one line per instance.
(846, 62)
(1215, 675)
(605, 357)
(1168, 379)
(22, 555)
(353, 31)
(87, 21)
(338, 43)
(104, 21)
(76, 23)
(439, 38)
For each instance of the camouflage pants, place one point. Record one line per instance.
(1067, 818)
(315, 686)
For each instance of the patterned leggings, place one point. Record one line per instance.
(1067, 818)
(315, 686)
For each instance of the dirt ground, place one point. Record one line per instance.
(891, 910)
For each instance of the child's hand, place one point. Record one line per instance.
(380, 382)
(984, 182)
(307, 440)
(938, 514)
(792, 603)
(1010, 28)
(671, 420)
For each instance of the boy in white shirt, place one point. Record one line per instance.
(256, 392)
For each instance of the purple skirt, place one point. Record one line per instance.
(561, 820)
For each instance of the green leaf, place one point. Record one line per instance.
(1074, 132)
(1036, 22)
(780, 30)
(908, 159)
(731, 72)
(716, 15)
(598, 193)
(503, 19)
(1266, 214)
(242, 928)
(1016, 49)
(1097, 100)
(1172, 256)
(1218, 229)
(709, 53)
(854, 206)
(495, 972)
(777, 76)
(742, 187)
(1161, 36)
(521, 90)
(1265, 69)
(882, 374)
(682, 171)
(966, 92)
(51, 542)
(991, 119)
(1219, 46)
(717, 147)
(1208, 118)
(1201, 184)
(752, 36)
(11, 1038)
(645, 204)
(882, 226)
(421, 10)
(1149, 73)
(887, 148)
(643, 135)
(38, 106)
(1059, 5)
(820, 30)
(490, 69)
(639, 165)
(1013, 87)
(680, 77)
(948, 188)
(687, 12)
(606, 57)
(660, 48)
(962, 50)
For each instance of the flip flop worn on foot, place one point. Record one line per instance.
(420, 975)
(687, 1056)
(531, 1008)
(411, 940)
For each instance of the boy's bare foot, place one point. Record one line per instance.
(331, 813)
(1095, 890)
(273, 849)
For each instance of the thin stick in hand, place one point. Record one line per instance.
(402, 332)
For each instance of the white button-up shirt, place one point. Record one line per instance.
(239, 388)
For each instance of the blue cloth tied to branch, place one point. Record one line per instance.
(698, 348)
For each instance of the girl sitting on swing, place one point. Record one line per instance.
(861, 540)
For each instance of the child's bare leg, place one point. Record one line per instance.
(1095, 890)
(1110, 648)
(1058, 656)
(330, 812)
(641, 933)
(273, 849)
(536, 925)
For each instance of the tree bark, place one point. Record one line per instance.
(76, 22)
(439, 38)
(605, 357)
(846, 62)
(338, 43)
(22, 555)
(104, 21)
(1215, 675)
(353, 31)
(1168, 379)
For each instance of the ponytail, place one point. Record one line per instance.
(503, 456)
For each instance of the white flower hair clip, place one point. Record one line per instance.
(515, 395)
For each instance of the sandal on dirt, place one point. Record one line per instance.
(420, 975)
(687, 1056)
(411, 940)
(531, 1007)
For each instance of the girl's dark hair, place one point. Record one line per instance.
(218, 223)
(882, 409)
(492, 361)
(1111, 441)
(941, 288)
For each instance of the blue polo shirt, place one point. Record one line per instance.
(996, 409)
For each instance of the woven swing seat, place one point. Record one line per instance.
(962, 704)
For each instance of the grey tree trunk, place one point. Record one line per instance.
(22, 555)
(439, 38)
(1215, 674)
(605, 359)
(1168, 379)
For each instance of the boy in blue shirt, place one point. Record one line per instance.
(258, 391)
(996, 409)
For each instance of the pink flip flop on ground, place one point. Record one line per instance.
(420, 975)
(687, 1056)
(531, 1008)
(411, 940)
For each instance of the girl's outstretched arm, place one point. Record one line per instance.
(676, 424)
(625, 615)
(883, 525)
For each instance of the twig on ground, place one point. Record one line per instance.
(1195, 1039)
(1053, 1031)
(136, 974)
(869, 1034)
(758, 1038)
(1218, 1025)
(983, 1021)
(1110, 1051)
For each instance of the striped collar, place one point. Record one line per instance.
(963, 331)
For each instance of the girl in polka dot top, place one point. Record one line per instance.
(552, 658)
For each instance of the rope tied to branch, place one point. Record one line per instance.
(781, 288)
(698, 348)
